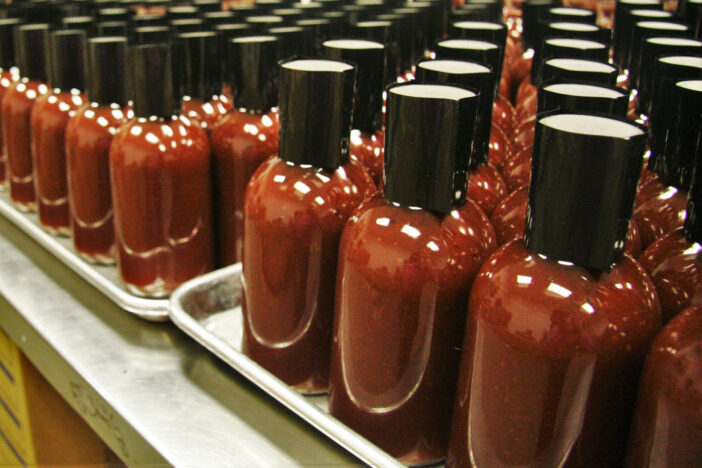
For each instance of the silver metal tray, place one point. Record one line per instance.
(208, 308)
(104, 278)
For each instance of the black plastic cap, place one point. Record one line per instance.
(413, 37)
(645, 29)
(571, 15)
(491, 8)
(113, 14)
(316, 102)
(387, 33)
(205, 6)
(474, 76)
(260, 23)
(7, 42)
(318, 30)
(428, 137)
(587, 71)
(253, 72)
(533, 11)
(181, 12)
(470, 50)
(188, 25)
(214, 18)
(107, 58)
(585, 169)
(243, 10)
(403, 26)
(622, 36)
(113, 28)
(567, 48)
(268, 5)
(369, 58)
(151, 77)
(68, 57)
(471, 12)
(624, 22)
(289, 15)
(693, 217)
(151, 34)
(693, 16)
(481, 31)
(86, 23)
(583, 98)
(292, 41)
(590, 32)
(32, 51)
(232, 30)
(200, 61)
(141, 21)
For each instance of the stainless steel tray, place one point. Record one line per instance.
(208, 308)
(104, 278)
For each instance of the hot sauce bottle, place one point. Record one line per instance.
(49, 118)
(406, 263)
(485, 186)
(558, 324)
(8, 75)
(245, 137)
(89, 134)
(32, 53)
(161, 184)
(296, 206)
(367, 137)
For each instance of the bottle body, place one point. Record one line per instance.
(89, 134)
(294, 217)
(206, 113)
(658, 210)
(402, 286)
(7, 77)
(369, 149)
(551, 362)
(161, 191)
(16, 111)
(49, 120)
(241, 142)
(486, 188)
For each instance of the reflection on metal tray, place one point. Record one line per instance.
(104, 278)
(208, 309)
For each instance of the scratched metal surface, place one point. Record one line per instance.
(154, 395)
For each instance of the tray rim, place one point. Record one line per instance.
(153, 310)
(331, 427)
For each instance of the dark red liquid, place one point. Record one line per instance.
(527, 101)
(48, 134)
(517, 170)
(499, 148)
(667, 424)
(658, 211)
(402, 285)
(207, 114)
(161, 190)
(675, 267)
(16, 111)
(294, 217)
(6, 79)
(486, 188)
(503, 114)
(88, 137)
(369, 150)
(241, 141)
(550, 362)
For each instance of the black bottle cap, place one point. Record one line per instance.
(243, 10)
(7, 42)
(181, 12)
(141, 21)
(200, 61)
(493, 8)
(692, 16)
(356, 13)
(213, 18)
(683, 136)
(470, 50)
(567, 48)
(310, 8)
(232, 30)
(625, 27)
(474, 76)
(369, 57)
(205, 6)
(413, 37)
(113, 14)
(666, 72)
(480, 30)
(260, 23)
(253, 70)
(74, 8)
(68, 58)
(318, 30)
(585, 31)
(182, 26)
(268, 5)
(86, 23)
(645, 29)
(587, 71)
(107, 57)
(388, 34)
(585, 169)
(292, 41)
(653, 48)
(571, 15)
(152, 34)
(624, 22)
(403, 25)
(151, 76)
(32, 51)
(337, 18)
(583, 98)
(693, 218)
(316, 101)
(471, 12)
(429, 132)
(533, 11)
(113, 28)
(289, 15)
(429, 22)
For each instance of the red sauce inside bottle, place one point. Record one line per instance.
(486, 188)
(206, 113)
(49, 119)
(16, 111)
(517, 170)
(369, 150)
(402, 285)
(499, 148)
(658, 211)
(7, 77)
(88, 137)
(241, 142)
(503, 114)
(551, 362)
(294, 217)
(161, 190)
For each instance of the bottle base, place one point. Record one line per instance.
(25, 207)
(156, 290)
(62, 231)
(96, 259)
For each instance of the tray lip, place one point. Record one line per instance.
(331, 427)
(154, 310)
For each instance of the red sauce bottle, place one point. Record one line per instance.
(485, 186)
(49, 119)
(8, 75)
(406, 262)
(245, 137)
(32, 52)
(367, 136)
(295, 209)
(667, 424)
(161, 184)
(559, 323)
(89, 134)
